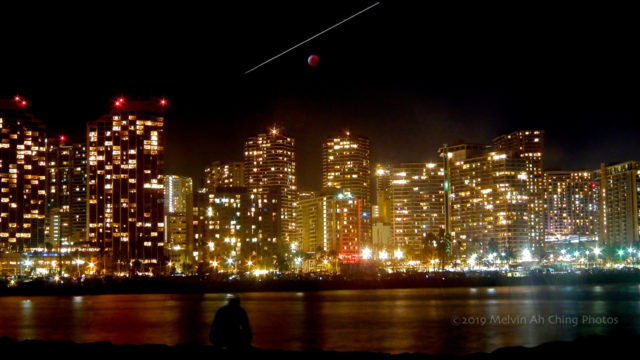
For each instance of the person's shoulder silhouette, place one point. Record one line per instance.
(230, 329)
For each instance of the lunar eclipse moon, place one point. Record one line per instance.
(313, 60)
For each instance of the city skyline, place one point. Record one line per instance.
(499, 199)
(369, 178)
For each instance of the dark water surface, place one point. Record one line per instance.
(452, 320)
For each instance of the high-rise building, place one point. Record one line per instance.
(488, 201)
(22, 178)
(178, 221)
(58, 211)
(78, 192)
(417, 194)
(224, 174)
(619, 200)
(270, 177)
(330, 224)
(125, 187)
(382, 228)
(315, 221)
(66, 211)
(225, 230)
(346, 166)
(529, 146)
(382, 208)
(571, 206)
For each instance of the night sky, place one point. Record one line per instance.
(408, 77)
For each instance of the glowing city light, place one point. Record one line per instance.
(366, 253)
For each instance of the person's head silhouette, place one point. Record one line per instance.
(234, 301)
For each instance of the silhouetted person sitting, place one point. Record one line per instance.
(230, 329)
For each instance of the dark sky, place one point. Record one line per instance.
(409, 77)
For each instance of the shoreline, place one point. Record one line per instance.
(588, 347)
(197, 285)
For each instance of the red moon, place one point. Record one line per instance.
(313, 60)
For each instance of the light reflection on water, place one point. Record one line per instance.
(401, 320)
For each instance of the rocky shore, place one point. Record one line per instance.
(591, 347)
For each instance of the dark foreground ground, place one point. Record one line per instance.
(591, 347)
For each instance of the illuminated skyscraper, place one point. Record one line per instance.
(619, 198)
(330, 224)
(382, 208)
(489, 201)
(224, 174)
(382, 229)
(223, 210)
(270, 176)
(125, 187)
(58, 211)
(417, 194)
(78, 193)
(178, 221)
(315, 221)
(346, 166)
(529, 145)
(22, 178)
(571, 206)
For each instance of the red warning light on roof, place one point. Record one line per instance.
(23, 103)
(163, 102)
(63, 138)
(17, 98)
